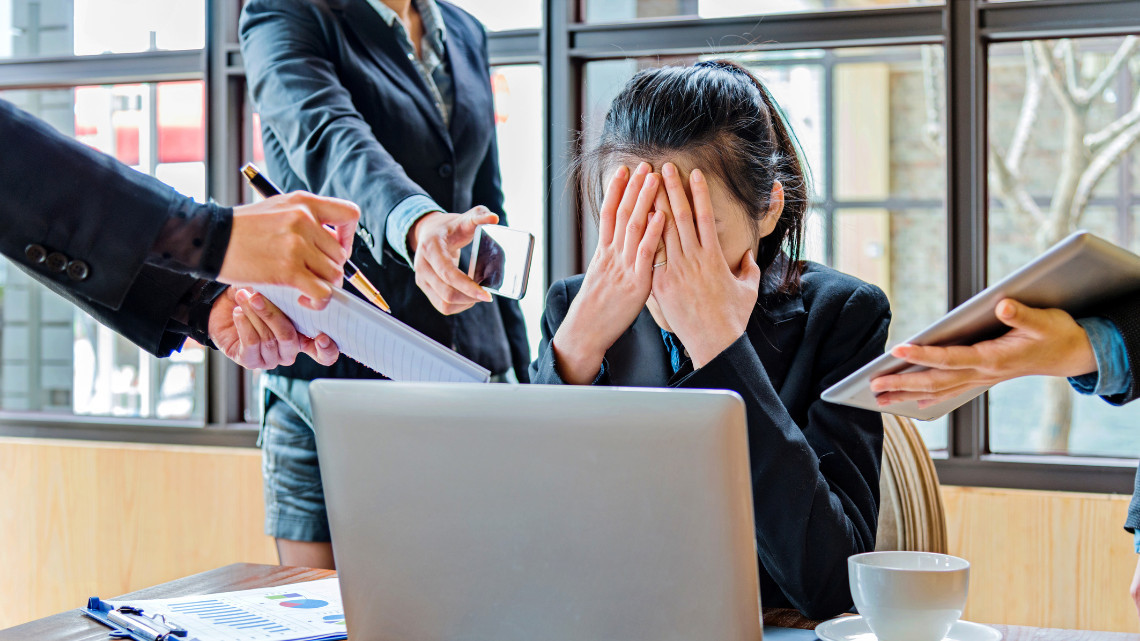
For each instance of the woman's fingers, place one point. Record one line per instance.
(952, 357)
(946, 395)
(928, 382)
(247, 351)
(679, 205)
(445, 298)
(661, 204)
(628, 203)
(608, 214)
(288, 345)
(749, 272)
(683, 218)
(924, 399)
(324, 267)
(341, 215)
(315, 294)
(328, 243)
(703, 211)
(647, 248)
(267, 342)
(639, 219)
(322, 349)
(462, 288)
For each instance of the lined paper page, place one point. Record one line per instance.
(376, 339)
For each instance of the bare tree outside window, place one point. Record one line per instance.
(1053, 158)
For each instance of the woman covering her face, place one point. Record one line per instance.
(697, 282)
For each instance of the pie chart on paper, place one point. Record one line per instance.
(304, 604)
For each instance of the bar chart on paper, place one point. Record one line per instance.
(300, 612)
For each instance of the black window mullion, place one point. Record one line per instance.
(224, 108)
(521, 46)
(1048, 19)
(562, 87)
(696, 36)
(110, 69)
(827, 189)
(966, 191)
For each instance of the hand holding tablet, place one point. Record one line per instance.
(974, 348)
(1040, 342)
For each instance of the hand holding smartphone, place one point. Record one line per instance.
(500, 260)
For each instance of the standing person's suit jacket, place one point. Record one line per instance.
(345, 113)
(83, 223)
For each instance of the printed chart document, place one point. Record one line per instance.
(377, 340)
(309, 611)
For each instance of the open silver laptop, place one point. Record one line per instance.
(526, 512)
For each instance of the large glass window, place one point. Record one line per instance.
(57, 359)
(1063, 132)
(519, 116)
(867, 124)
(504, 15)
(614, 10)
(52, 28)
(872, 123)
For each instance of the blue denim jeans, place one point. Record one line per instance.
(294, 497)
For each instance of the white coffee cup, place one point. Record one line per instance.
(909, 596)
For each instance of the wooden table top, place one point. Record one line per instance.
(72, 626)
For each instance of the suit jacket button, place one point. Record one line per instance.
(35, 254)
(56, 262)
(445, 170)
(78, 270)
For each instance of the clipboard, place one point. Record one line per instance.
(377, 339)
(1077, 274)
(130, 623)
(306, 611)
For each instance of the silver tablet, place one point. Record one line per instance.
(1074, 275)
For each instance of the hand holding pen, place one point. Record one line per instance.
(345, 234)
(284, 241)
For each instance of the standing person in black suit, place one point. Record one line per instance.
(727, 304)
(142, 258)
(388, 104)
(1099, 354)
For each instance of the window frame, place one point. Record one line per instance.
(562, 46)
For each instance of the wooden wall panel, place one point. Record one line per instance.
(1048, 559)
(80, 519)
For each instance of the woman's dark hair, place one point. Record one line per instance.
(720, 117)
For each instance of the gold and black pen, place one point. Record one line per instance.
(352, 273)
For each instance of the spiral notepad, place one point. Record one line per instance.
(377, 340)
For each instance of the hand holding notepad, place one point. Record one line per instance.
(377, 340)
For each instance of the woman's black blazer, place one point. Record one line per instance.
(815, 465)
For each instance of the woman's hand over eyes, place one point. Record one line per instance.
(618, 279)
(706, 303)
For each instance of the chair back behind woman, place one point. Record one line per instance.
(911, 513)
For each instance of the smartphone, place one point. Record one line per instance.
(500, 260)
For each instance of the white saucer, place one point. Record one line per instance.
(856, 629)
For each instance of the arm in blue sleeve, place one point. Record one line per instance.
(401, 219)
(1112, 375)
